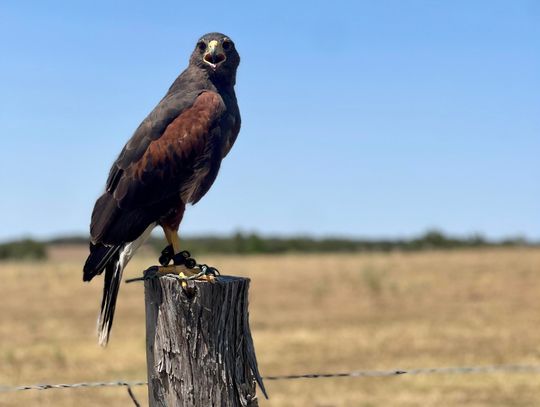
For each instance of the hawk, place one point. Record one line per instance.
(171, 160)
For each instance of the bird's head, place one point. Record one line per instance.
(216, 54)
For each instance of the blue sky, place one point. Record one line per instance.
(361, 118)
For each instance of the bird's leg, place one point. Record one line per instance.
(173, 252)
(184, 265)
(166, 255)
(172, 238)
(169, 252)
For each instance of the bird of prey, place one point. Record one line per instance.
(171, 160)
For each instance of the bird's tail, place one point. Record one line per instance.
(105, 258)
(113, 277)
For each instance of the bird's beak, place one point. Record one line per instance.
(214, 54)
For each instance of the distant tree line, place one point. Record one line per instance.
(252, 243)
(26, 249)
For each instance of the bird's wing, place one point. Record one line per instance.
(158, 160)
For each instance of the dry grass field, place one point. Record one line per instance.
(309, 313)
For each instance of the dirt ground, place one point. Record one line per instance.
(309, 313)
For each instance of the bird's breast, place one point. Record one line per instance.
(192, 184)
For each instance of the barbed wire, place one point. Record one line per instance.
(132, 397)
(4, 389)
(356, 373)
(419, 371)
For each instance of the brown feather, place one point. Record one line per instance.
(170, 162)
(187, 135)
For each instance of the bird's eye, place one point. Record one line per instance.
(227, 45)
(201, 46)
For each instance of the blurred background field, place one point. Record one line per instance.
(369, 120)
(309, 313)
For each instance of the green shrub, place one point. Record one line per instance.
(23, 249)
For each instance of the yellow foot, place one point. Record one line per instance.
(185, 272)
(203, 273)
(179, 270)
(207, 277)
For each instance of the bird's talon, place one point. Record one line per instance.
(183, 259)
(212, 271)
(164, 260)
(185, 254)
(167, 254)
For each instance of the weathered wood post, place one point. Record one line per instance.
(198, 343)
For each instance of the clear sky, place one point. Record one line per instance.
(361, 118)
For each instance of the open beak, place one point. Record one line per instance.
(214, 54)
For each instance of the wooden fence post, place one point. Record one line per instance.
(198, 344)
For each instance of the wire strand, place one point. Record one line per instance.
(514, 368)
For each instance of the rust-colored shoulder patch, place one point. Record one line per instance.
(182, 141)
(186, 135)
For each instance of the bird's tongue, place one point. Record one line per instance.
(214, 59)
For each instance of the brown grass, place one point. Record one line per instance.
(316, 313)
